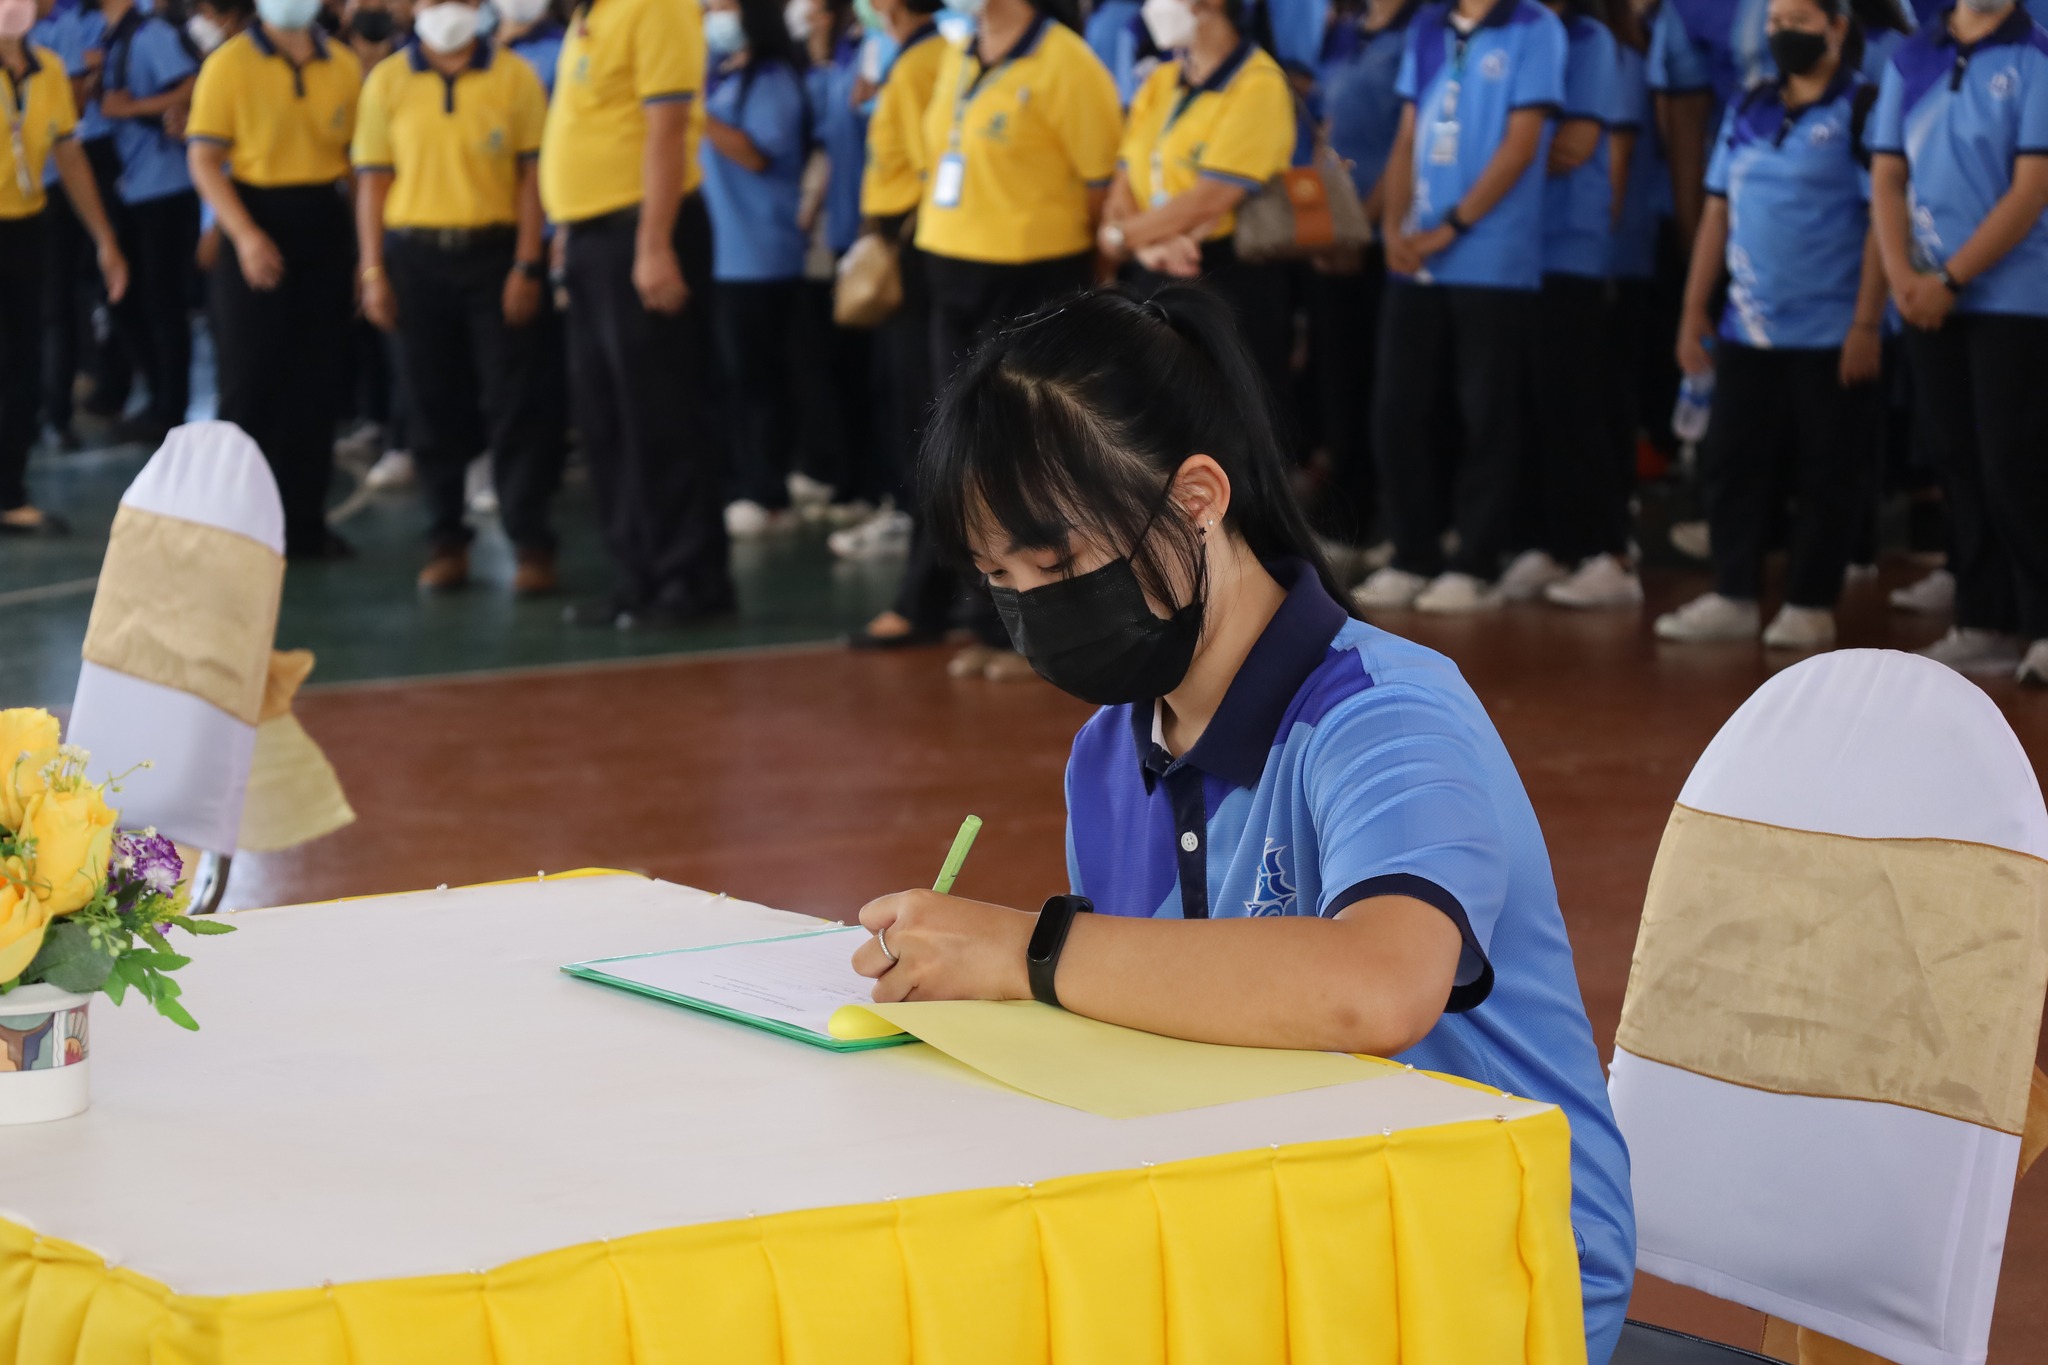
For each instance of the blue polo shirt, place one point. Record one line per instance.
(72, 33)
(1578, 207)
(1111, 36)
(1360, 66)
(1345, 763)
(541, 48)
(1464, 86)
(754, 234)
(843, 131)
(1717, 46)
(1646, 199)
(146, 57)
(1798, 199)
(1961, 116)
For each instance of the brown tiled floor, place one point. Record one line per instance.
(816, 780)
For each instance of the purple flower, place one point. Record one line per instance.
(149, 858)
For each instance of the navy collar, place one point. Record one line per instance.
(1026, 44)
(1240, 735)
(2014, 28)
(479, 59)
(1497, 17)
(1226, 70)
(28, 73)
(1838, 86)
(269, 49)
(925, 30)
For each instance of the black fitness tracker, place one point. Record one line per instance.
(1042, 957)
(533, 270)
(1948, 281)
(1455, 221)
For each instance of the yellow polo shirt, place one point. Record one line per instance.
(618, 57)
(43, 108)
(1236, 126)
(454, 145)
(1035, 133)
(283, 124)
(894, 177)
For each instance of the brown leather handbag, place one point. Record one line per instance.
(869, 286)
(1307, 211)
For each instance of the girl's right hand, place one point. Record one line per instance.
(262, 263)
(1694, 330)
(380, 305)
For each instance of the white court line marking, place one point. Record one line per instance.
(49, 592)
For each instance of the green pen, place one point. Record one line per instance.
(956, 857)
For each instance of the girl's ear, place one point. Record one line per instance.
(1202, 491)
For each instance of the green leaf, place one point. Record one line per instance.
(136, 975)
(175, 1012)
(116, 988)
(207, 925)
(70, 960)
(165, 961)
(150, 936)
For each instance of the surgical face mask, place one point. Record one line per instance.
(486, 19)
(288, 14)
(521, 13)
(971, 8)
(1094, 636)
(17, 17)
(1170, 22)
(796, 17)
(1985, 6)
(1796, 51)
(723, 33)
(447, 27)
(870, 22)
(205, 33)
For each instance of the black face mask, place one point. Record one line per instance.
(1797, 52)
(1095, 637)
(373, 25)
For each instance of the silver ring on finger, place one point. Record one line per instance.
(882, 937)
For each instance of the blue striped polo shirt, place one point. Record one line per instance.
(1344, 763)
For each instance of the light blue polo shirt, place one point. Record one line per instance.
(1345, 763)
(146, 56)
(843, 131)
(1646, 199)
(1714, 45)
(540, 47)
(1359, 101)
(1798, 197)
(1464, 87)
(754, 234)
(1961, 117)
(1578, 207)
(72, 33)
(1114, 38)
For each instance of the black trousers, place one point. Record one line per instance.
(754, 322)
(474, 386)
(282, 350)
(159, 237)
(903, 352)
(1344, 312)
(1572, 472)
(969, 301)
(23, 255)
(73, 292)
(841, 382)
(1982, 380)
(1782, 426)
(636, 384)
(1261, 298)
(1472, 346)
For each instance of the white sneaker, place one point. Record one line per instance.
(1390, 589)
(749, 520)
(840, 515)
(806, 492)
(1858, 573)
(2034, 668)
(392, 470)
(1710, 616)
(1691, 539)
(1800, 628)
(1602, 581)
(1529, 575)
(361, 445)
(1984, 653)
(1377, 557)
(879, 537)
(1932, 595)
(1458, 594)
(477, 489)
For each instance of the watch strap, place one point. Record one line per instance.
(1042, 956)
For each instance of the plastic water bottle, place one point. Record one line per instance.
(1695, 405)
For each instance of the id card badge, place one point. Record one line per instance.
(1443, 143)
(946, 184)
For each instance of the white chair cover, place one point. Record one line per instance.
(1877, 1224)
(212, 474)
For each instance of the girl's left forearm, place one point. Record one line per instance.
(2008, 223)
(1206, 201)
(1871, 290)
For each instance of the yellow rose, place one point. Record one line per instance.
(74, 835)
(23, 916)
(23, 731)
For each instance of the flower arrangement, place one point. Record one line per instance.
(83, 907)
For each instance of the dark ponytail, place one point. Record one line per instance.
(1077, 418)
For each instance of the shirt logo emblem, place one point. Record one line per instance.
(1822, 134)
(1274, 893)
(2004, 83)
(495, 143)
(998, 128)
(1493, 65)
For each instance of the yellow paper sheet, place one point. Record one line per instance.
(1119, 1073)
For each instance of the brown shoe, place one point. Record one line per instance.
(535, 576)
(447, 570)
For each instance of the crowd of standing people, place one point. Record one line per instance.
(522, 230)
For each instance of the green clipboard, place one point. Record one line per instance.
(594, 970)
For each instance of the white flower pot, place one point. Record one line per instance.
(45, 1055)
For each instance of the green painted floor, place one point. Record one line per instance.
(365, 620)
